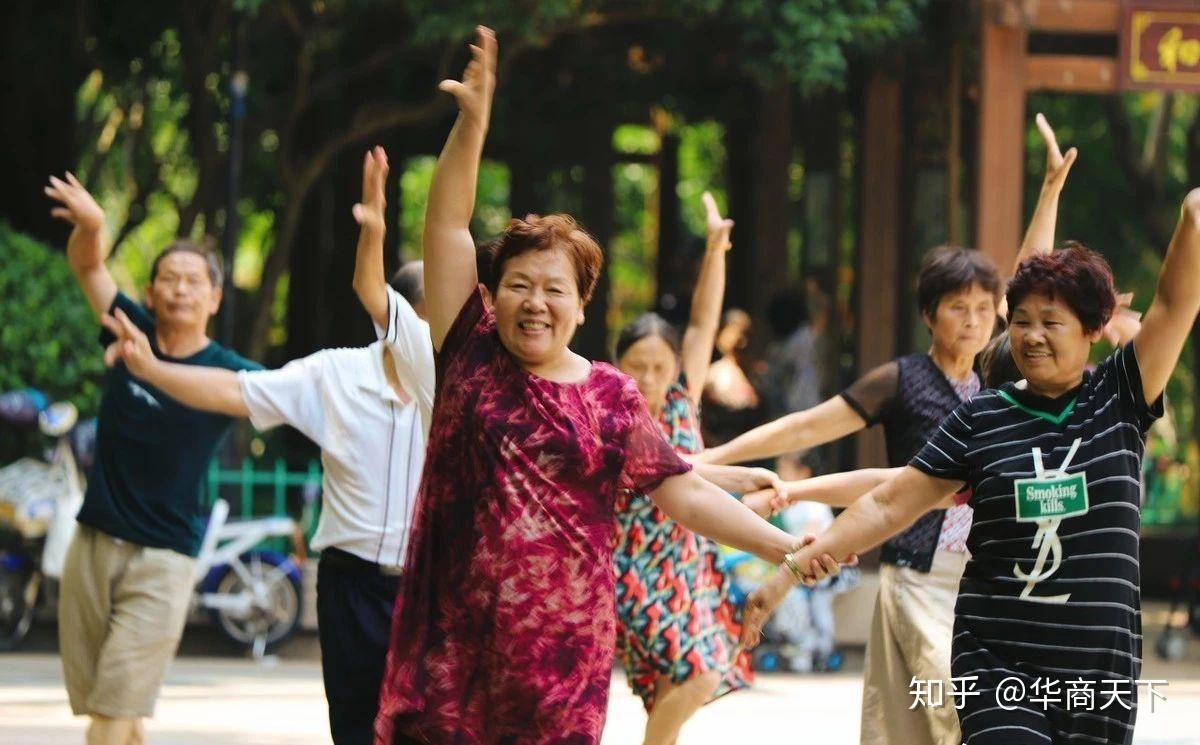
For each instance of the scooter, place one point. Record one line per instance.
(38, 503)
(252, 595)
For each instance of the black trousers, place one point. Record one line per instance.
(354, 621)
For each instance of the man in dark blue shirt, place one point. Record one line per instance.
(128, 576)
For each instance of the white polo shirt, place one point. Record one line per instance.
(372, 443)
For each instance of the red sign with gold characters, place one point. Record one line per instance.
(1160, 45)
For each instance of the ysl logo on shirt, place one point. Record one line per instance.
(1046, 538)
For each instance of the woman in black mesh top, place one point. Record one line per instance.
(1047, 633)
(958, 294)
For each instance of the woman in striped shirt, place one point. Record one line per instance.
(1047, 633)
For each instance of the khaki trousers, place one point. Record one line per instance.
(121, 613)
(910, 638)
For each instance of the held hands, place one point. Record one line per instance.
(369, 213)
(75, 205)
(131, 347)
(718, 228)
(473, 93)
(762, 602)
(1057, 164)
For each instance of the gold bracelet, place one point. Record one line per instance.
(794, 568)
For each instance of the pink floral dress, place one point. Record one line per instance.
(504, 628)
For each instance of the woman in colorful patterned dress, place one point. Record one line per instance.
(504, 627)
(676, 633)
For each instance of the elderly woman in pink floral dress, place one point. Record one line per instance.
(504, 627)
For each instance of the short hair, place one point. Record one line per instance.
(536, 233)
(409, 281)
(948, 269)
(1076, 274)
(212, 259)
(997, 363)
(644, 327)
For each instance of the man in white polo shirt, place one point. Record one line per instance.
(368, 409)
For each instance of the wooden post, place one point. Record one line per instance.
(879, 240)
(1001, 131)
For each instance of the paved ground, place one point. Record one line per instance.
(211, 697)
(221, 700)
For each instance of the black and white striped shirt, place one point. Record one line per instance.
(1095, 634)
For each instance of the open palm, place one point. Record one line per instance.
(474, 92)
(75, 204)
(1057, 164)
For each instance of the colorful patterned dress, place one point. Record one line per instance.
(673, 614)
(503, 630)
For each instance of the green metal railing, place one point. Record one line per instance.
(263, 493)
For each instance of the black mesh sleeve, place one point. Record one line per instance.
(873, 393)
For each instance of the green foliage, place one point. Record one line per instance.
(809, 41)
(47, 331)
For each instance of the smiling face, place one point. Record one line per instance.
(963, 320)
(537, 307)
(182, 294)
(653, 365)
(1049, 344)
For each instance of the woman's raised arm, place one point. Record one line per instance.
(449, 250)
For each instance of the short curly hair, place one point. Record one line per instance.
(1077, 275)
(537, 233)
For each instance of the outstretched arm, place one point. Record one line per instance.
(704, 508)
(1175, 304)
(450, 274)
(370, 284)
(701, 332)
(1039, 236)
(801, 430)
(206, 388)
(884, 511)
(85, 247)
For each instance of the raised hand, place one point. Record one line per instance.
(718, 228)
(1125, 322)
(75, 204)
(131, 346)
(1058, 165)
(474, 92)
(369, 213)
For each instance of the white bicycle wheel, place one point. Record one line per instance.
(274, 610)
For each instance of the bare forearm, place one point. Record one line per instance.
(85, 249)
(1179, 278)
(369, 281)
(1039, 236)
(205, 388)
(702, 507)
(784, 435)
(730, 478)
(452, 190)
(882, 512)
(838, 489)
(705, 315)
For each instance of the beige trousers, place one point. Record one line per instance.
(910, 637)
(121, 612)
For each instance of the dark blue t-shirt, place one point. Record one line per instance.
(152, 452)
